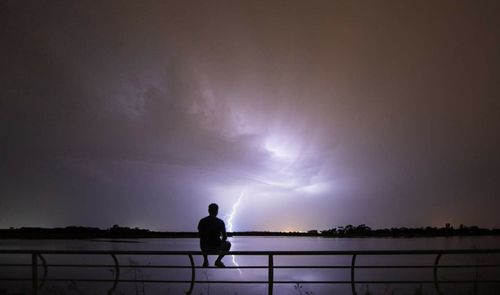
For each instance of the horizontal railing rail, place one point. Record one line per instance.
(39, 278)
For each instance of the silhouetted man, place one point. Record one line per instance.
(211, 229)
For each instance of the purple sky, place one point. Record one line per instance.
(316, 113)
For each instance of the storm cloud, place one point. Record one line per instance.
(322, 113)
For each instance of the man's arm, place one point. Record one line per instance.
(223, 232)
(200, 229)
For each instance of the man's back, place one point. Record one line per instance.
(210, 229)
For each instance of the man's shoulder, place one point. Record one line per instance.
(220, 221)
(204, 219)
(211, 220)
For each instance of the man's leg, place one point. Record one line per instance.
(205, 260)
(225, 247)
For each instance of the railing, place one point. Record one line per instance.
(40, 267)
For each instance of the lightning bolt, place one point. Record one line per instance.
(230, 222)
(233, 212)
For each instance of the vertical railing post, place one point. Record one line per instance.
(117, 274)
(193, 275)
(45, 270)
(270, 273)
(353, 284)
(34, 273)
(436, 281)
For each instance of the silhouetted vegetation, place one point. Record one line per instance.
(362, 230)
(81, 232)
(448, 230)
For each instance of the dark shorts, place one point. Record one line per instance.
(223, 247)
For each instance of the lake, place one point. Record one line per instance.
(259, 244)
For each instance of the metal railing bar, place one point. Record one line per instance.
(260, 266)
(260, 253)
(388, 266)
(16, 279)
(385, 266)
(265, 282)
(157, 281)
(467, 265)
(390, 282)
(146, 266)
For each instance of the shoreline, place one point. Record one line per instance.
(194, 235)
(349, 231)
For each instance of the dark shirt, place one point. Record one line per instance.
(210, 230)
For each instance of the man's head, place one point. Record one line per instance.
(213, 209)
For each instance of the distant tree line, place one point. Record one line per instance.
(448, 230)
(82, 232)
(362, 230)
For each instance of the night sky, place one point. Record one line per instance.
(311, 114)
